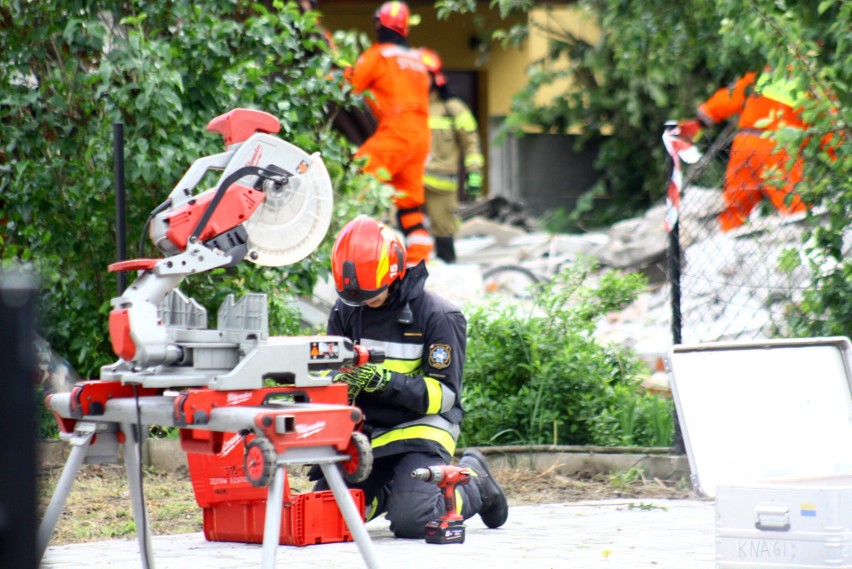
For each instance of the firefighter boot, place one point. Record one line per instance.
(495, 508)
(445, 249)
(418, 246)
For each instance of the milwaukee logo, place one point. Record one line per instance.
(305, 431)
(237, 397)
(255, 156)
(230, 445)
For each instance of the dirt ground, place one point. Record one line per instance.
(98, 505)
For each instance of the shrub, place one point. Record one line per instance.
(541, 377)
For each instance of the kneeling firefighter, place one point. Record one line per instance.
(411, 402)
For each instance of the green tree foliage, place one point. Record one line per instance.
(71, 69)
(542, 377)
(657, 60)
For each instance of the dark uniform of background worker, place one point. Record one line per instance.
(412, 402)
(455, 140)
(397, 86)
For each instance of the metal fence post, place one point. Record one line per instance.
(673, 257)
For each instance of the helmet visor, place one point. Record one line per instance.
(358, 297)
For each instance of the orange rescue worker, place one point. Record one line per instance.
(764, 103)
(398, 86)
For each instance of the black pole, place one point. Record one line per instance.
(120, 203)
(673, 255)
(18, 422)
(674, 279)
(674, 258)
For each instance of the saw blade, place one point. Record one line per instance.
(293, 218)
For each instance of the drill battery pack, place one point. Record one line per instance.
(445, 531)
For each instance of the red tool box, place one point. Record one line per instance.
(235, 510)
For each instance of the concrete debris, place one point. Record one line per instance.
(487, 242)
(701, 206)
(730, 281)
(479, 226)
(636, 242)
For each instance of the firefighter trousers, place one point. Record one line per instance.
(399, 158)
(757, 168)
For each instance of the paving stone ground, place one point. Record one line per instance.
(629, 534)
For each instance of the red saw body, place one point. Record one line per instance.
(272, 205)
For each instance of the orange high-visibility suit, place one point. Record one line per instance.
(763, 106)
(397, 83)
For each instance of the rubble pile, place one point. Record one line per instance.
(730, 285)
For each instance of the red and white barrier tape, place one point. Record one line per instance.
(679, 145)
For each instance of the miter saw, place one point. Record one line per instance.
(272, 204)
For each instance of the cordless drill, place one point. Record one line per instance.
(449, 528)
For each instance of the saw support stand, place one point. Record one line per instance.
(280, 433)
(272, 205)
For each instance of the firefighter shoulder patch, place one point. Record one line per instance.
(440, 356)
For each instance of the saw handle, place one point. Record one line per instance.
(238, 125)
(365, 355)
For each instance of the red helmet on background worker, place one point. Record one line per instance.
(394, 16)
(433, 63)
(366, 259)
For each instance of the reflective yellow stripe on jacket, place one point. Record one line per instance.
(404, 358)
(433, 428)
(449, 184)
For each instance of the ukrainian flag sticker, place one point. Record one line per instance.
(808, 510)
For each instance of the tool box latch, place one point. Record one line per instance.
(772, 518)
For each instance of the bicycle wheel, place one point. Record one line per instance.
(513, 281)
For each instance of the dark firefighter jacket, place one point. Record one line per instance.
(421, 408)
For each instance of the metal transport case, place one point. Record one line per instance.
(768, 433)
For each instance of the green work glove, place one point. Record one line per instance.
(368, 378)
(473, 184)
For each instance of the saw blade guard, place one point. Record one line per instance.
(295, 215)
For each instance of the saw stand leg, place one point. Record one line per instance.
(274, 506)
(80, 440)
(132, 446)
(104, 451)
(350, 514)
(272, 523)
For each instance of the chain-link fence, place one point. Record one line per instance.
(727, 284)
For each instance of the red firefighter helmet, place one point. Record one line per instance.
(433, 63)
(394, 16)
(367, 257)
